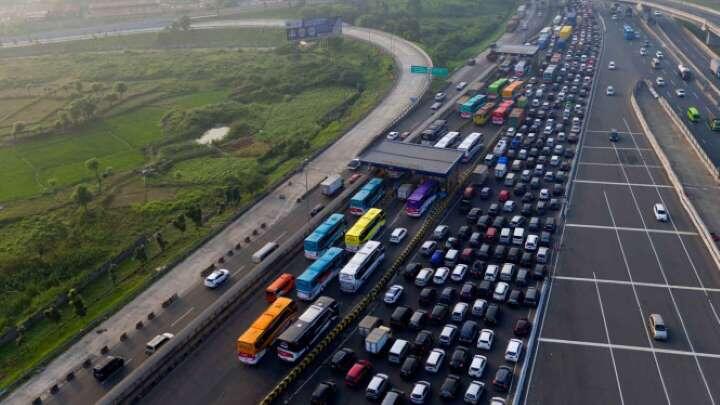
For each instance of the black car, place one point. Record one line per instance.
(494, 209)
(526, 259)
(450, 388)
(499, 253)
(323, 393)
(410, 367)
(484, 251)
(439, 313)
(503, 378)
(418, 319)
(473, 215)
(492, 315)
(411, 270)
(531, 297)
(539, 271)
(554, 204)
(499, 222)
(427, 296)
(526, 209)
(477, 269)
(540, 207)
(515, 298)
(483, 222)
(523, 276)
(469, 332)
(459, 358)
(549, 224)
(513, 254)
(400, 317)
(545, 238)
(448, 295)
(343, 359)
(475, 239)
(557, 190)
(528, 197)
(394, 397)
(464, 232)
(467, 291)
(522, 327)
(485, 288)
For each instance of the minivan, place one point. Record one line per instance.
(398, 351)
(509, 180)
(447, 335)
(505, 235)
(491, 272)
(157, 342)
(543, 255)
(459, 312)
(377, 386)
(428, 247)
(518, 236)
(474, 392)
(107, 366)
(434, 360)
(508, 272)
(451, 257)
(423, 277)
(531, 243)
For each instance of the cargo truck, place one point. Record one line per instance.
(517, 115)
(377, 339)
(715, 67)
(331, 185)
(684, 72)
(404, 191)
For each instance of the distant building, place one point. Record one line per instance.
(119, 8)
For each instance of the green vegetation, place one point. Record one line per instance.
(98, 157)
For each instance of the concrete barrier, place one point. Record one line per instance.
(677, 185)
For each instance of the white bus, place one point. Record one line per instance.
(471, 145)
(361, 266)
(264, 252)
(448, 140)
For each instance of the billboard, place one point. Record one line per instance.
(314, 28)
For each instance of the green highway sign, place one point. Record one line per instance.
(419, 69)
(436, 71)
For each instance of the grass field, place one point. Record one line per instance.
(50, 245)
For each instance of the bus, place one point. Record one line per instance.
(309, 327)
(421, 198)
(364, 229)
(369, 195)
(496, 87)
(512, 90)
(264, 252)
(314, 279)
(468, 108)
(253, 343)
(361, 266)
(448, 140)
(279, 287)
(325, 235)
(501, 113)
(483, 114)
(470, 146)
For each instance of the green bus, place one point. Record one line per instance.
(496, 87)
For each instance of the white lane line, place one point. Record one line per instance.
(277, 240)
(611, 148)
(610, 347)
(616, 164)
(232, 275)
(637, 298)
(619, 183)
(598, 131)
(630, 348)
(182, 316)
(628, 228)
(696, 95)
(636, 283)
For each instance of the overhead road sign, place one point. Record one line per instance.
(424, 70)
(314, 28)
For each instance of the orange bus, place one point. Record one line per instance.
(280, 287)
(252, 344)
(512, 90)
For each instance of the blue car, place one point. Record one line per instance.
(437, 258)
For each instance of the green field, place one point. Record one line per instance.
(142, 110)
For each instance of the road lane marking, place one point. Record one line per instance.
(280, 236)
(636, 283)
(232, 275)
(630, 348)
(182, 316)
(635, 294)
(618, 148)
(619, 183)
(607, 336)
(616, 164)
(599, 131)
(626, 228)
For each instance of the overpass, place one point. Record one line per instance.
(707, 18)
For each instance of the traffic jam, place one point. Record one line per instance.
(454, 324)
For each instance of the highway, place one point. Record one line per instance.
(617, 264)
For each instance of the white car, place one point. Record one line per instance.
(611, 65)
(610, 91)
(441, 275)
(514, 349)
(216, 278)
(420, 392)
(660, 212)
(397, 235)
(459, 272)
(660, 81)
(434, 360)
(657, 13)
(393, 135)
(501, 291)
(392, 295)
(477, 366)
(544, 194)
(643, 51)
(460, 86)
(486, 339)
(474, 392)
(659, 54)
(680, 93)
(441, 232)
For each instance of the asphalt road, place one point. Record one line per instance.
(617, 264)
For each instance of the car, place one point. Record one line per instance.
(522, 327)
(660, 212)
(448, 335)
(420, 392)
(394, 397)
(411, 270)
(217, 278)
(680, 92)
(614, 136)
(392, 295)
(440, 96)
(439, 313)
(610, 91)
(441, 275)
(410, 366)
(477, 366)
(474, 392)
(479, 307)
(473, 215)
(343, 359)
(501, 291)
(531, 296)
(515, 298)
(611, 65)
(434, 360)
(450, 387)
(461, 85)
(358, 373)
(459, 358)
(660, 81)
(656, 324)
(324, 392)
(486, 339)
(427, 296)
(354, 164)
(459, 272)
(428, 247)
(659, 54)
(441, 232)
(377, 386)
(493, 314)
(503, 378)
(393, 135)
(424, 276)
(397, 235)
(436, 106)
(514, 350)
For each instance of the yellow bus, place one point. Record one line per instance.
(252, 344)
(364, 229)
(483, 114)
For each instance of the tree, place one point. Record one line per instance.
(160, 240)
(52, 186)
(17, 128)
(93, 165)
(184, 23)
(79, 304)
(111, 97)
(96, 87)
(179, 223)
(195, 214)
(141, 254)
(107, 172)
(82, 196)
(120, 88)
(52, 314)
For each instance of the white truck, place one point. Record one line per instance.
(331, 185)
(404, 191)
(378, 338)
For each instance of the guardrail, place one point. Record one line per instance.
(680, 14)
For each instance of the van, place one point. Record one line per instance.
(508, 272)
(505, 235)
(479, 307)
(459, 312)
(531, 243)
(447, 335)
(518, 236)
(491, 272)
(509, 180)
(398, 351)
(428, 247)
(377, 387)
(424, 276)
(451, 257)
(543, 255)
(474, 392)
(489, 159)
(367, 324)
(157, 342)
(107, 366)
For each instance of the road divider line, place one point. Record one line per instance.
(636, 283)
(617, 164)
(607, 336)
(618, 183)
(632, 229)
(630, 348)
(618, 148)
(237, 271)
(182, 316)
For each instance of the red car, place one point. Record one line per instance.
(358, 373)
(504, 196)
(354, 178)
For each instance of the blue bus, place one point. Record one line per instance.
(367, 197)
(314, 279)
(325, 235)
